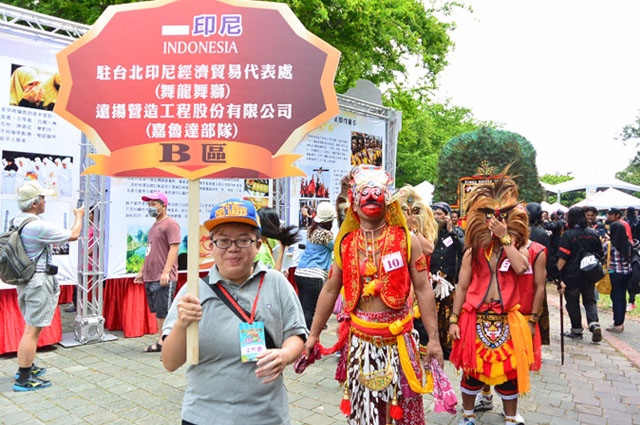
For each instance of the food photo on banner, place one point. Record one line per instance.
(256, 187)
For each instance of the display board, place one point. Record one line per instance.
(128, 222)
(329, 152)
(35, 143)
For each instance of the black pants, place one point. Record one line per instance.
(572, 298)
(308, 290)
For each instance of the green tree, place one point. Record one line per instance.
(463, 155)
(568, 198)
(631, 131)
(631, 174)
(425, 129)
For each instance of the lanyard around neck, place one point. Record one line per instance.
(238, 308)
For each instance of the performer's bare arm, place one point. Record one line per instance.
(427, 245)
(464, 279)
(519, 258)
(426, 303)
(539, 278)
(324, 306)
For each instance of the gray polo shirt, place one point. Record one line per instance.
(220, 386)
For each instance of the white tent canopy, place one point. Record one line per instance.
(551, 208)
(610, 198)
(584, 183)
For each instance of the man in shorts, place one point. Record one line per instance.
(38, 299)
(159, 271)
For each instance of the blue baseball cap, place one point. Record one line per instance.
(233, 210)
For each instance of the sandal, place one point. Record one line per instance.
(153, 348)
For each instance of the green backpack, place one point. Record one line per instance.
(16, 268)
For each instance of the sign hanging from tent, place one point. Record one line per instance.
(195, 89)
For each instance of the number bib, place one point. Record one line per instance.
(392, 261)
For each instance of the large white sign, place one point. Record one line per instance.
(129, 222)
(35, 143)
(329, 152)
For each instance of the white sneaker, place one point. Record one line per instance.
(519, 420)
(483, 402)
(631, 307)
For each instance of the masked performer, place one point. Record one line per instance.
(378, 261)
(421, 221)
(492, 341)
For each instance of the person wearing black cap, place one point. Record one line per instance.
(447, 254)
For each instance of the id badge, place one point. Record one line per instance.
(252, 341)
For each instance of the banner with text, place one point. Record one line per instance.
(208, 89)
(36, 144)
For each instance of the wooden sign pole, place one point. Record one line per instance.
(193, 264)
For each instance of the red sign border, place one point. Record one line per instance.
(326, 81)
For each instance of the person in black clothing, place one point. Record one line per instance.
(556, 226)
(445, 261)
(538, 234)
(632, 218)
(575, 242)
(447, 254)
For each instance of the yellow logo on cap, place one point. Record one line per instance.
(232, 209)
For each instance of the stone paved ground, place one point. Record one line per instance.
(115, 383)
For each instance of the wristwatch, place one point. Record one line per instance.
(506, 240)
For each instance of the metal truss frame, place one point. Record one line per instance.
(282, 187)
(33, 24)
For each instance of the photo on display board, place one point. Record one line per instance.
(366, 149)
(137, 239)
(32, 87)
(138, 243)
(256, 187)
(50, 171)
(316, 184)
(306, 213)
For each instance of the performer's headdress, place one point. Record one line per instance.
(369, 176)
(411, 201)
(500, 200)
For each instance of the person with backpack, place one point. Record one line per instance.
(575, 243)
(38, 298)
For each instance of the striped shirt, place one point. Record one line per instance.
(38, 235)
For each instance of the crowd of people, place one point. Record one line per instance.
(365, 149)
(412, 285)
(52, 173)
